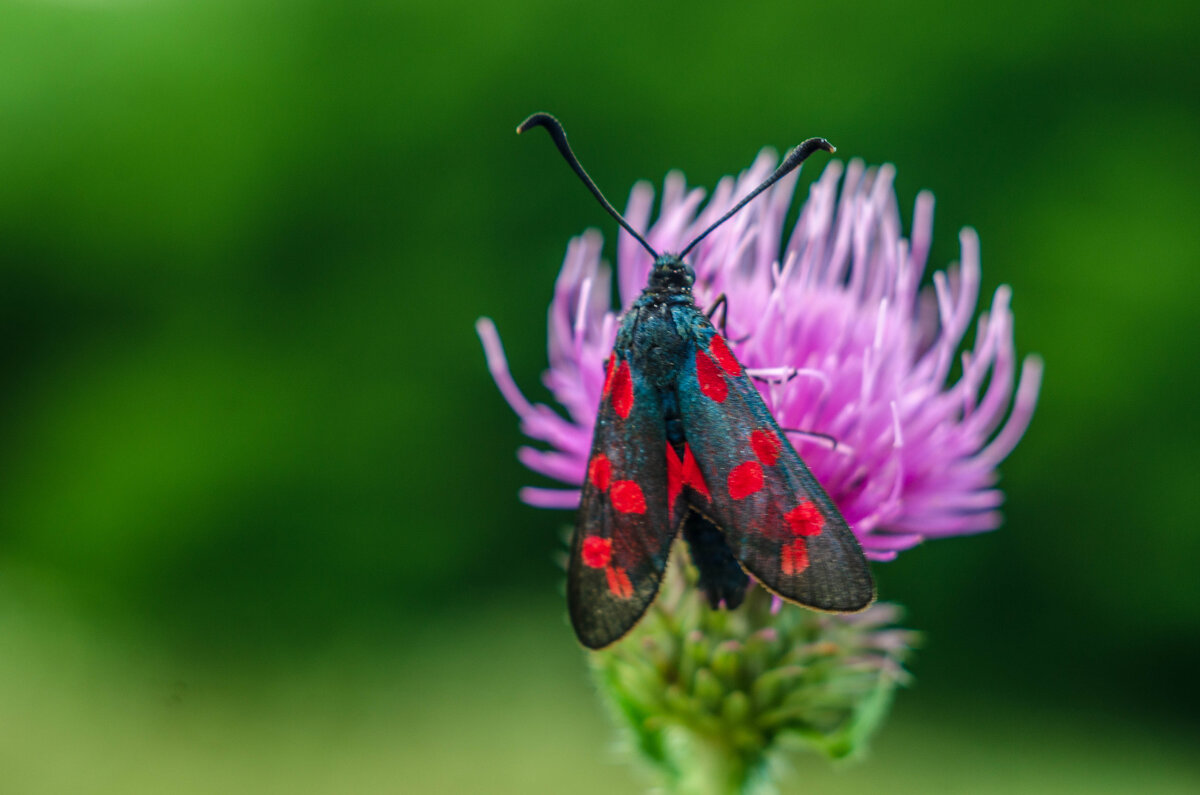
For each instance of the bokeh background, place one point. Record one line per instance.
(258, 519)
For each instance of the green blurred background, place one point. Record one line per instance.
(258, 519)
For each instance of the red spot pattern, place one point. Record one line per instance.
(683, 473)
(692, 475)
(627, 497)
(766, 446)
(618, 582)
(600, 471)
(597, 552)
(608, 374)
(712, 383)
(720, 351)
(622, 390)
(794, 557)
(745, 479)
(805, 519)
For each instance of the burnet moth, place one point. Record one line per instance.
(684, 443)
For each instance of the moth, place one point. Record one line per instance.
(684, 444)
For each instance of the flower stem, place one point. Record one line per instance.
(709, 766)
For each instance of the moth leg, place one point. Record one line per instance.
(764, 380)
(722, 302)
(830, 440)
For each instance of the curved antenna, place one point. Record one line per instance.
(794, 158)
(559, 135)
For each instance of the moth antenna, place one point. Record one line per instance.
(559, 135)
(794, 158)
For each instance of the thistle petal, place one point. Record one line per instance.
(838, 303)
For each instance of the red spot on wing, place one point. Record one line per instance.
(692, 475)
(805, 519)
(608, 374)
(600, 471)
(712, 383)
(622, 390)
(683, 473)
(674, 476)
(766, 445)
(618, 582)
(597, 552)
(627, 497)
(745, 479)
(720, 351)
(794, 557)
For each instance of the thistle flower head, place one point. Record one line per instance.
(710, 698)
(853, 349)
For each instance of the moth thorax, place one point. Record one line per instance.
(671, 275)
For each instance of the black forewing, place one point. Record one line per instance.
(778, 521)
(620, 548)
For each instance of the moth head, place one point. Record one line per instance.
(671, 275)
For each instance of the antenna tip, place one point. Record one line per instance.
(800, 153)
(538, 120)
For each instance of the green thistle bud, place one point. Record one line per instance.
(710, 699)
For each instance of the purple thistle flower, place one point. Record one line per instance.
(836, 321)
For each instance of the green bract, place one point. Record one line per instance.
(713, 699)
